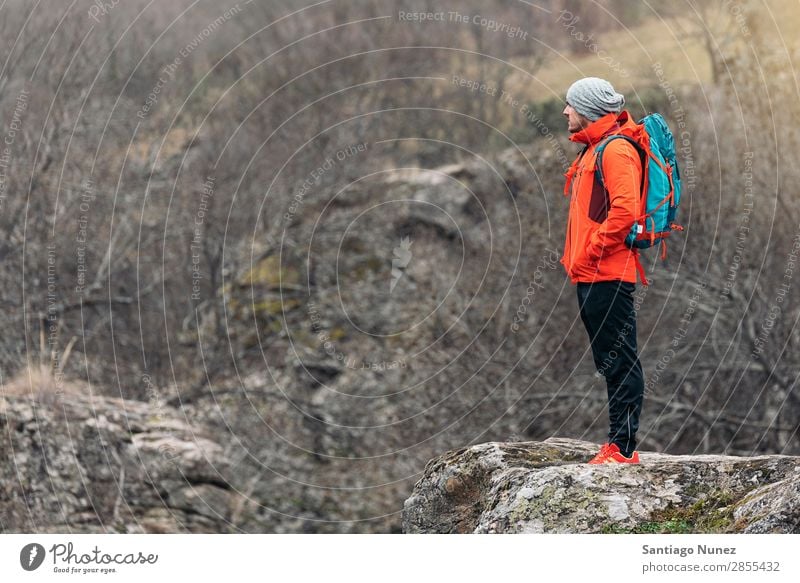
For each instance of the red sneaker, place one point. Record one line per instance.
(610, 454)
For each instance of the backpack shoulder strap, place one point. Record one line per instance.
(598, 165)
(598, 176)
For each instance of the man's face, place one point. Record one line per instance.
(575, 121)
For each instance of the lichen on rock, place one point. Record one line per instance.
(548, 487)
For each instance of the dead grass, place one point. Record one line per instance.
(42, 384)
(633, 53)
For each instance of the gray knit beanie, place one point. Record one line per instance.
(593, 98)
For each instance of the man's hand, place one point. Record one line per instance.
(593, 252)
(591, 260)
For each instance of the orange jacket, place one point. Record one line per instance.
(595, 247)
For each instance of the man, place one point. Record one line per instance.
(596, 257)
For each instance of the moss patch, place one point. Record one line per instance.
(539, 456)
(713, 515)
(664, 527)
(269, 272)
(337, 333)
(275, 307)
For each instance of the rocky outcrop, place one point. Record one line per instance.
(78, 463)
(96, 464)
(546, 487)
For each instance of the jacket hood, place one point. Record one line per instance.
(610, 123)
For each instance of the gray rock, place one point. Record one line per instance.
(97, 464)
(774, 508)
(547, 487)
(441, 198)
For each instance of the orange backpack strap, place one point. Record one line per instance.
(639, 268)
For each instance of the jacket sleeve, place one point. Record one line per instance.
(622, 174)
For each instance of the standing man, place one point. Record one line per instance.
(595, 255)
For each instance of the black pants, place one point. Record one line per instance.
(607, 312)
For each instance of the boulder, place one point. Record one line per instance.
(97, 464)
(547, 487)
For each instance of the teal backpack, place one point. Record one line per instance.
(661, 185)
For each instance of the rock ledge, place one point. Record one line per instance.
(547, 487)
